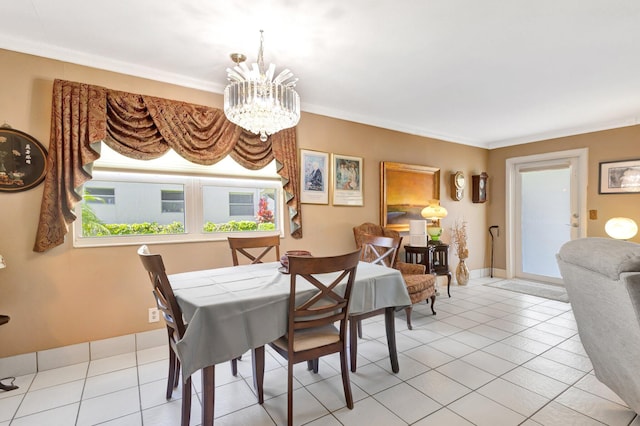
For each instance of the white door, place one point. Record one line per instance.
(547, 209)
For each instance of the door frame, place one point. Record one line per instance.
(582, 156)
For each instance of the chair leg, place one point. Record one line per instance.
(258, 372)
(313, 365)
(171, 379)
(390, 327)
(186, 403)
(208, 395)
(346, 383)
(408, 310)
(176, 378)
(353, 344)
(290, 393)
(234, 366)
(433, 301)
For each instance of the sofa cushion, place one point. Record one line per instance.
(419, 283)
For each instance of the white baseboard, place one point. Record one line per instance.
(30, 363)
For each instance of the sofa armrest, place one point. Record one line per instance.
(613, 256)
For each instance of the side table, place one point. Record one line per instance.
(3, 320)
(435, 256)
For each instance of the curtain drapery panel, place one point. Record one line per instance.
(145, 127)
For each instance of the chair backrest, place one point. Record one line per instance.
(326, 305)
(162, 291)
(372, 229)
(241, 244)
(380, 250)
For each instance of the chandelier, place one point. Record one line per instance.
(256, 101)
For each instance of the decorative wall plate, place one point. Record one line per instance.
(23, 160)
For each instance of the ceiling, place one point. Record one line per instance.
(486, 73)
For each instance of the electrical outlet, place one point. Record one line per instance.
(154, 315)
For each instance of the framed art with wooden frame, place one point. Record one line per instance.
(23, 160)
(405, 190)
(314, 177)
(619, 177)
(347, 179)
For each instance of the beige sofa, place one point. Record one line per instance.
(602, 277)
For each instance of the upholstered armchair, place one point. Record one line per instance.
(602, 278)
(420, 286)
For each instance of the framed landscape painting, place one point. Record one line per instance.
(347, 180)
(405, 190)
(314, 177)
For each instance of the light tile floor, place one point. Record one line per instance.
(489, 357)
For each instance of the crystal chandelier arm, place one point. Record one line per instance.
(232, 75)
(244, 70)
(284, 76)
(270, 72)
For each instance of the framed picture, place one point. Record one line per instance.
(314, 177)
(405, 190)
(347, 179)
(23, 161)
(619, 177)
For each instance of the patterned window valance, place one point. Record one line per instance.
(145, 127)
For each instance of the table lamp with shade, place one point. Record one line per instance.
(434, 212)
(621, 228)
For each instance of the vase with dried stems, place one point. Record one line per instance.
(459, 239)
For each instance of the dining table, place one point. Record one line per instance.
(232, 310)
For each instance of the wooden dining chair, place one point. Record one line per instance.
(172, 314)
(315, 305)
(383, 250)
(176, 327)
(378, 250)
(243, 244)
(246, 246)
(420, 285)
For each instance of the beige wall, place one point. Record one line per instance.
(609, 145)
(69, 295)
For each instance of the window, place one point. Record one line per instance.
(95, 195)
(240, 204)
(172, 201)
(155, 206)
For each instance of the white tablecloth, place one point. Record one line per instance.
(231, 310)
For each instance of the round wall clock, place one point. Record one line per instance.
(457, 185)
(23, 160)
